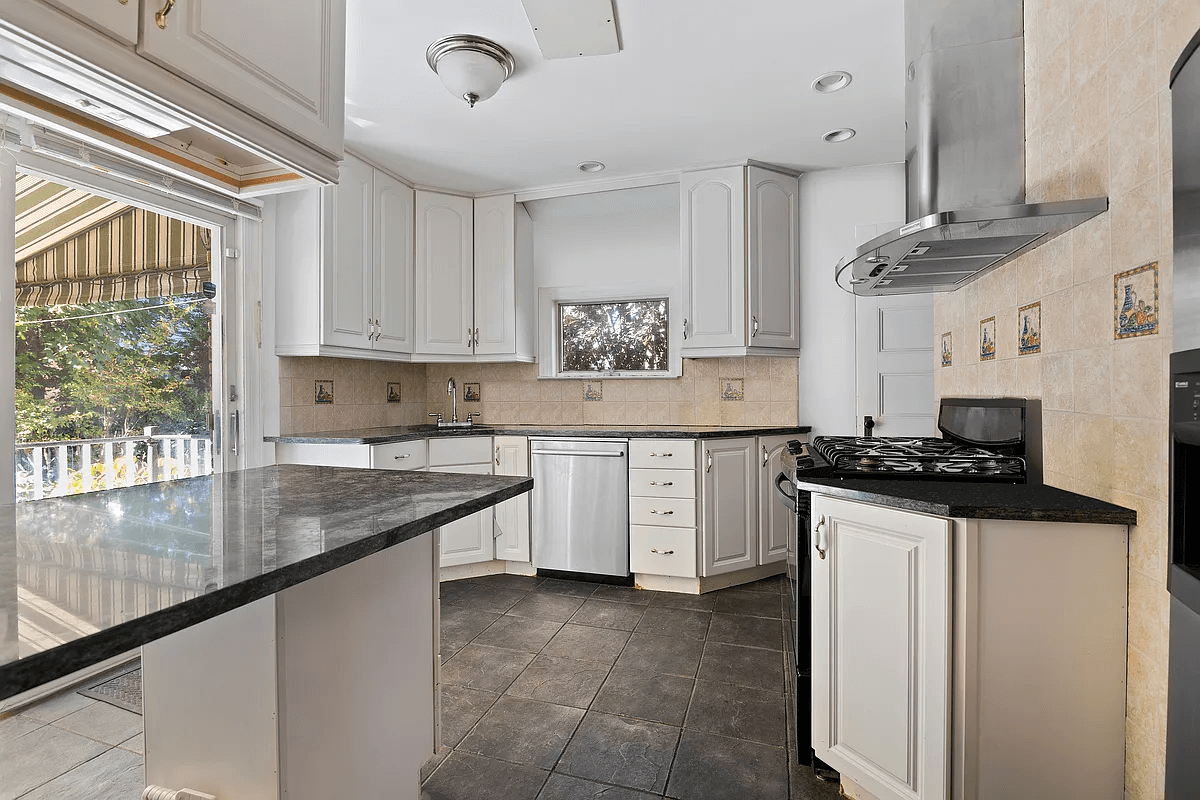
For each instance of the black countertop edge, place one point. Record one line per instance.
(1005, 501)
(39, 668)
(406, 433)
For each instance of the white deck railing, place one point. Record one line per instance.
(55, 469)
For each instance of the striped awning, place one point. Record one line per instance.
(74, 247)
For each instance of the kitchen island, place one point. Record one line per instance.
(287, 618)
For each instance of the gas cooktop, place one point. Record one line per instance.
(924, 458)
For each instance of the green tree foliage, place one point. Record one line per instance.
(93, 377)
(603, 337)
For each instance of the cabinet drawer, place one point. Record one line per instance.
(673, 512)
(662, 483)
(662, 551)
(662, 453)
(460, 450)
(399, 455)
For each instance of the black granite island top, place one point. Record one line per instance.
(1032, 502)
(88, 577)
(403, 433)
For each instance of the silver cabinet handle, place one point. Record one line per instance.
(235, 432)
(601, 453)
(477, 337)
(662, 483)
(664, 455)
(405, 455)
(497, 455)
(664, 513)
(685, 329)
(662, 552)
(160, 17)
(708, 462)
(764, 449)
(754, 331)
(821, 537)
(470, 338)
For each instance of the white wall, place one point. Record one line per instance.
(832, 205)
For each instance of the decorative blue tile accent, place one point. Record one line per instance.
(1029, 329)
(1135, 302)
(471, 393)
(733, 389)
(593, 390)
(323, 392)
(947, 350)
(987, 339)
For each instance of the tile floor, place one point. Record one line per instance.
(557, 690)
(554, 690)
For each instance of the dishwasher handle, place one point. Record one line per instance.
(602, 453)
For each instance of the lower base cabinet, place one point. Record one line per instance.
(467, 540)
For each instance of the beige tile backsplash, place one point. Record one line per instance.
(1097, 123)
(512, 393)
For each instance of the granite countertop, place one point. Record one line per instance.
(403, 433)
(88, 577)
(1033, 502)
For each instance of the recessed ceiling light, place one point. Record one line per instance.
(832, 81)
(590, 166)
(839, 135)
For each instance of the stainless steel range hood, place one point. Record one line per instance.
(965, 146)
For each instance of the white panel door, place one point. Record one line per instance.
(467, 540)
(512, 516)
(285, 63)
(881, 647)
(894, 343)
(773, 516)
(346, 298)
(495, 275)
(728, 502)
(445, 238)
(712, 218)
(393, 273)
(117, 18)
(773, 222)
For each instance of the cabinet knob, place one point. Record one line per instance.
(160, 17)
(662, 552)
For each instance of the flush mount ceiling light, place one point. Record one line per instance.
(471, 67)
(839, 135)
(832, 82)
(590, 166)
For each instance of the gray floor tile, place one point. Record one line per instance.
(753, 604)
(662, 654)
(103, 722)
(745, 666)
(506, 581)
(711, 767)
(738, 711)
(452, 591)
(40, 756)
(774, 584)
(645, 695)
(552, 607)
(496, 599)
(587, 644)
(466, 776)
(434, 762)
(446, 653)
(137, 744)
(566, 681)
(581, 589)
(17, 725)
(461, 709)
(519, 633)
(58, 707)
(113, 775)
(524, 731)
(461, 624)
(679, 622)
(747, 631)
(627, 752)
(693, 602)
(609, 614)
(478, 666)
(567, 787)
(624, 594)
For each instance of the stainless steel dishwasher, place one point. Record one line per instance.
(581, 505)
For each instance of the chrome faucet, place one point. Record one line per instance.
(450, 387)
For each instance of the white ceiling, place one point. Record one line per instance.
(696, 82)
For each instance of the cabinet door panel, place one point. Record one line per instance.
(444, 274)
(393, 274)
(713, 242)
(880, 646)
(283, 63)
(774, 267)
(728, 501)
(495, 274)
(512, 516)
(467, 540)
(346, 296)
(117, 18)
(773, 516)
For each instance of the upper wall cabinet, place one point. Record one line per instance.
(474, 279)
(739, 243)
(348, 250)
(116, 18)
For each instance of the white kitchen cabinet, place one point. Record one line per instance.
(117, 18)
(348, 284)
(512, 516)
(474, 284)
(470, 539)
(282, 63)
(728, 503)
(739, 245)
(773, 516)
(881, 647)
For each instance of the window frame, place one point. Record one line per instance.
(550, 340)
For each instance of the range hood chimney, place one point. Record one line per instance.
(964, 104)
